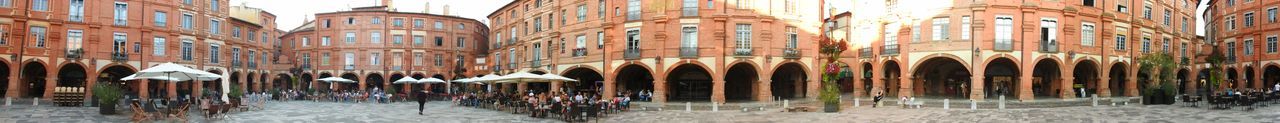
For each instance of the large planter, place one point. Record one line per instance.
(831, 107)
(105, 108)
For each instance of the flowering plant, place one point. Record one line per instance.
(831, 49)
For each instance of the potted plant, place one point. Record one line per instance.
(830, 93)
(1162, 88)
(108, 96)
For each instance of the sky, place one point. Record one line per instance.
(290, 13)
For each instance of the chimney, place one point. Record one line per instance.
(386, 3)
(446, 9)
(427, 9)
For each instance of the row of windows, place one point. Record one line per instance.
(1248, 20)
(397, 22)
(376, 58)
(376, 38)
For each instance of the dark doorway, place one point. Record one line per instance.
(689, 82)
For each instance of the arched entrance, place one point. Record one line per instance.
(374, 80)
(349, 86)
(33, 79)
(635, 78)
(589, 79)
(324, 85)
(1001, 76)
(740, 81)
(212, 85)
(845, 83)
(942, 77)
(416, 87)
(71, 75)
(1118, 79)
(1182, 81)
(867, 74)
(437, 87)
(250, 82)
(1232, 79)
(394, 77)
(262, 82)
(284, 82)
(113, 74)
(788, 81)
(306, 78)
(4, 79)
(1086, 78)
(891, 78)
(235, 81)
(689, 82)
(1271, 76)
(1249, 82)
(1046, 81)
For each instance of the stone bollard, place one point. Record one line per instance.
(1001, 102)
(8, 101)
(715, 106)
(688, 106)
(946, 103)
(973, 105)
(35, 102)
(786, 104)
(1094, 97)
(857, 102)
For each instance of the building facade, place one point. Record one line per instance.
(377, 45)
(1028, 49)
(1245, 32)
(79, 43)
(680, 50)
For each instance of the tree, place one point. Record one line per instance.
(1165, 83)
(831, 50)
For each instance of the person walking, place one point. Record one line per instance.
(422, 101)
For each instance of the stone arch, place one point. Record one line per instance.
(73, 75)
(1086, 74)
(4, 78)
(1000, 76)
(1047, 79)
(285, 81)
(587, 77)
(349, 86)
(917, 64)
(33, 82)
(637, 78)
(1270, 75)
(374, 80)
(789, 81)
(1119, 78)
(939, 76)
(891, 72)
(743, 85)
(689, 82)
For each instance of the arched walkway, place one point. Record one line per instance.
(72, 75)
(590, 79)
(324, 85)
(33, 79)
(635, 78)
(263, 82)
(740, 82)
(689, 82)
(1182, 81)
(788, 81)
(349, 86)
(416, 87)
(401, 86)
(374, 80)
(4, 79)
(867, 74)
(113, 74)
(1046, 81)
(941, 77)
(284, 82)
(1086, 77)
(437, 87)
(1118, 80)
(538, 87)
(235, 80)
(251, 80)
(1271, 76)
(891, 78)
(1249, 82)
(212, 84)
(1001, 75)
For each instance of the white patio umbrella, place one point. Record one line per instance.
(521, 77)
(431, 80)
(554, 77)
(135, 77)
(170, 69)
(486, 78)
(332, 80)
(405, 80)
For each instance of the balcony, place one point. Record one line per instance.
(397, 67)
(742, 51)
(579, 52)
(891, 49)
(1049, 46)
(689, 11)
(631, 54)
(535, 63)
(864, 52)
(688, 52)
(119, 57)
(349, 67)
(235, 63)
(790, 53)
(253, 65)
(1004, 46)
(75, 53)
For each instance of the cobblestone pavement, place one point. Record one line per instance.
(442, 112)
(1132, 113)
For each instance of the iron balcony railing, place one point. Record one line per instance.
(535, 63)
(579, 52)
(689, 11)
(865, 52)
(688, 52)
(119, 57)
(1049, 46)
(890, 49)
(235, 63)
(75, 53)
(790, 53)
(349, 67)
(630, 54)
(1004, 45)
(742, 51)
(397, 67)
(253, 65)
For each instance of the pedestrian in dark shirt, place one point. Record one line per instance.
(422, 100)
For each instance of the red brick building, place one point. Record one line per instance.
(1245, 31)
(78, 43)
(376, 45)
(681, 50)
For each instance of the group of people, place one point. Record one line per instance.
(543, 104)
(358, 96)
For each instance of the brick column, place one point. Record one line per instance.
(1104, 86)
(904, 85)
(12, 90)
(660, 91)
(50, 83)
(522, 86)
(977, 86)
(717, 90)
(142, 89)
(1024, 87)
(764, 90)
(172, 88)
(1068, 90)
(555, 86)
